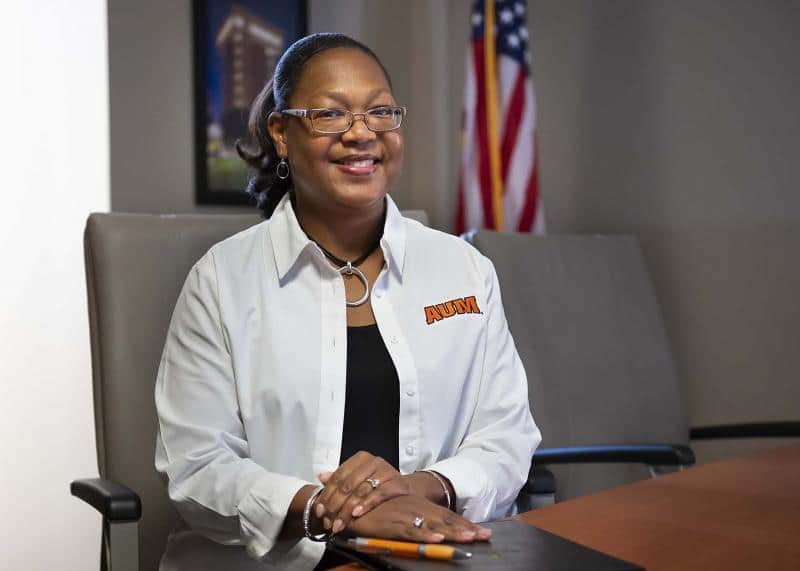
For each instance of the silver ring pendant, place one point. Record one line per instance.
(351, 270)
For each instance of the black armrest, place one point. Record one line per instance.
(779, 429)
(652, 454)
(116, 502)
(540, 481)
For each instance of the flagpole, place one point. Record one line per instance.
(490, 60)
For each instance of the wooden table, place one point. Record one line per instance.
(736, 514)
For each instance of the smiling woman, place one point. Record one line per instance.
(296, 79)
(355, 169)
(303, 391)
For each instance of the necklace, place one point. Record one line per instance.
(349, 268)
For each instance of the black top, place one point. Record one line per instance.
(372, 399)
(371, 405)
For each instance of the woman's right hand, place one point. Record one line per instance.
(348, 493)
(394, 519)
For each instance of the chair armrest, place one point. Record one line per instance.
(540, 481)
(651, 454)
(747, 430)
(116, 502)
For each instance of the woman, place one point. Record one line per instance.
(337, 368)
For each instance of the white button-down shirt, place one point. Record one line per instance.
(251, 386)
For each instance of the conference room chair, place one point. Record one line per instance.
(603, 384)
(135, 267)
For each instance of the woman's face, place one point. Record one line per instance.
(355, 169)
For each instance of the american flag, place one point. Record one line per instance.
(498, 183)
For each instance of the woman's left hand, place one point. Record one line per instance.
(357, 486)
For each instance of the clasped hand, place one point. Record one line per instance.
(368, 496)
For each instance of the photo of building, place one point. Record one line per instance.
(242, 42)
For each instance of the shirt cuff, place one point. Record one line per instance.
(262, 513)
(475, 496)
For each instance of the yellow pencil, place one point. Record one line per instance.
(408, 549)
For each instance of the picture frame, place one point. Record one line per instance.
(236, 44)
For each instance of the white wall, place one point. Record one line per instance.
(55, 171)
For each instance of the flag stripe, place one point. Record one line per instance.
(484, 168)
(531, 198)
(507, 70)
(512, 123)
(520, 163)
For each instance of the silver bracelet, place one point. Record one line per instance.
(439, 479)
(307, 519)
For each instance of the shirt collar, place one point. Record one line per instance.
(289, 241)
(393, 242)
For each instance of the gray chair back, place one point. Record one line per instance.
(135, 267)
(589, 330)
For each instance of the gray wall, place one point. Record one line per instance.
(675, 121)
(150, 74)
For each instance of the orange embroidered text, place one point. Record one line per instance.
(434, 313)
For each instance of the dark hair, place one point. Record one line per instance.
(258, 150)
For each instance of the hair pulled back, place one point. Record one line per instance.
(258, 150)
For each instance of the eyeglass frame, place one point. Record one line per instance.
(306, 114)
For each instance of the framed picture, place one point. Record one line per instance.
(236, 46)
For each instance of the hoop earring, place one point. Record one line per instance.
(283, 173)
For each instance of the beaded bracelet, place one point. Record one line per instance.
(439, 479)
(307, 519)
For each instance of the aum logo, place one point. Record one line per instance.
(434, 313)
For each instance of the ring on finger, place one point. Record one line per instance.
(418, 521)
(374, 482)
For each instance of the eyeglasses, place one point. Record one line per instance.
(330, 121)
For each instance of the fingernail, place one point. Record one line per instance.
(484, 533)
(338, 526)
(358, 511)
(437, 537)
(326, 523)
(324, 476)
(467, 535)
(320, 510)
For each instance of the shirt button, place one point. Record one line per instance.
(409, 450)
(378, 294)
(410, 392)
(394, 340)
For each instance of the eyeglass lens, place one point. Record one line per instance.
(340, 120)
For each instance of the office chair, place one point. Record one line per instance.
(135, 267)
(602, 381)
